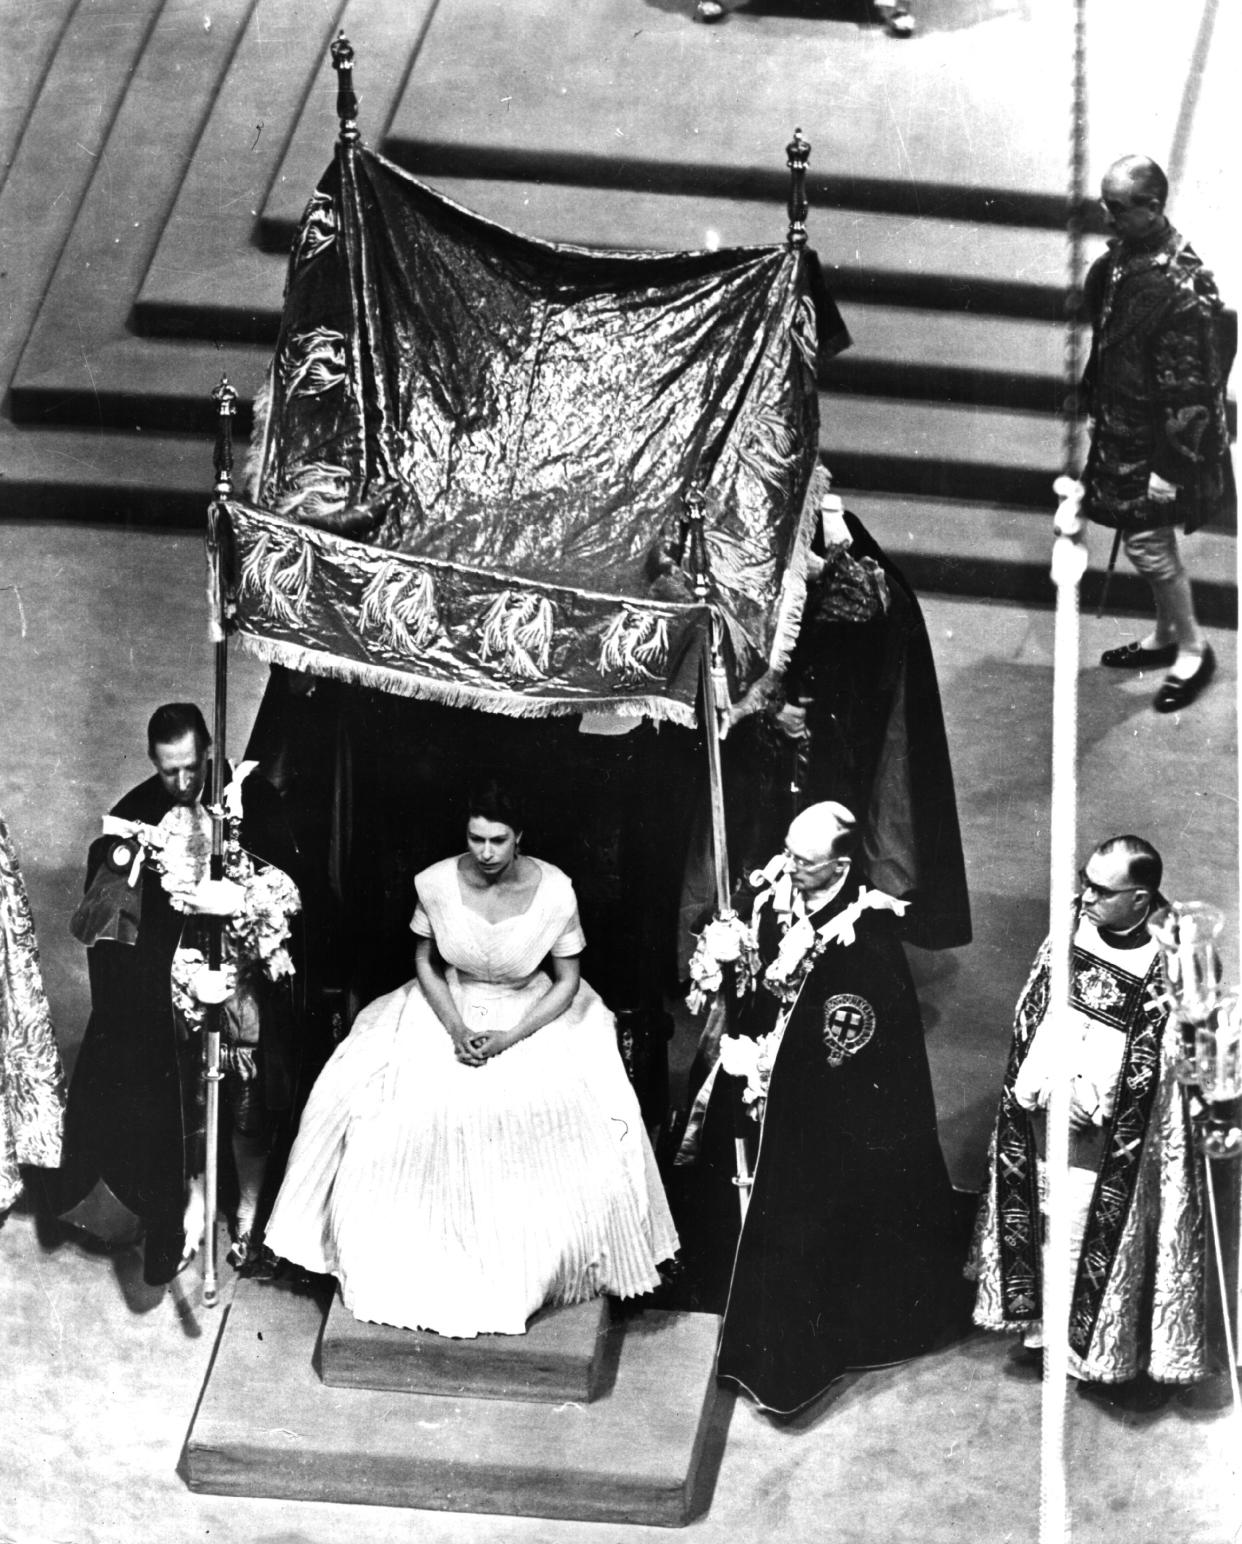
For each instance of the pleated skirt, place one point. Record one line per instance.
(463, 1199)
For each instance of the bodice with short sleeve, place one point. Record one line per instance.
(510, 950)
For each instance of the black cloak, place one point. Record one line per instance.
(852, 1251)
(133, 1122)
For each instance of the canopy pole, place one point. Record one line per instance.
(714, 692)
(713, 677)
(1069, 563)
(713, 668)
(225, 399)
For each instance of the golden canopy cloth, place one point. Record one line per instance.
(32, 1080)
(470, 463)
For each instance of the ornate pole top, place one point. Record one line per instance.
(346, 100)
(797, 154)
(696, 556)
(225, 399)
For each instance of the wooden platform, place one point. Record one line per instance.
(560, 1358)
(644, 1452)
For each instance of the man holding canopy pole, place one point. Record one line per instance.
(851, 1249)
(133, 1150)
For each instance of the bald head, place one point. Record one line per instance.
(1133, 196)
(819, 845)
(1141, 178)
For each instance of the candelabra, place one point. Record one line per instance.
(1206, 1053)
(1207, 1016)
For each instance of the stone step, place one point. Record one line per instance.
(56, 152)
(645, 1452)
(969, 124)
(139, 384)
(939, 356)
(662, 104)
(1004, 553)
(105, 476)
(204, 250)
(560, 1357)
(29, 52)
(939, 450)
(87, 301)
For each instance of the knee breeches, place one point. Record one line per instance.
(1155, 553)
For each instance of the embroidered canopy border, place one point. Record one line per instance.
(474, 450)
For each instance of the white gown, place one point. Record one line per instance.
(462, 1199)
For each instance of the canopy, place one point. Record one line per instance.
(474, 453)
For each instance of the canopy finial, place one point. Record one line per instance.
(797, 153)
(346, 99)
(696, 561)
(225, 399)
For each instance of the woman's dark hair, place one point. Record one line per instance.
(490, 801)
(173, 722)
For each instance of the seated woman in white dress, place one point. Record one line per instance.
(473, 1150)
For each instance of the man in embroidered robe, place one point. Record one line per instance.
(1155, 392)
(853, 1242)
(1136, 1222)
(133, 1139)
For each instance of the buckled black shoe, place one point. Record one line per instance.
(1176, 694)
(897, 20)
(1133, 656)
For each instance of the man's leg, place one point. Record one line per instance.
(1155, 554)
(250, 1156)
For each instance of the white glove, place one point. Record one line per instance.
(213, 986)
(216, 897)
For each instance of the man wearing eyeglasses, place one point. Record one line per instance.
(1154, 389)
(1136, 1220)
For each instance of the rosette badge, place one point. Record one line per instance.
(120, 856)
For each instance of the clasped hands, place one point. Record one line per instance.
(473, 1048)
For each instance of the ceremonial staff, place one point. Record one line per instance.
(225, 399)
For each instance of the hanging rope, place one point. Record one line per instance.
(1071, 423)
(1069, 561)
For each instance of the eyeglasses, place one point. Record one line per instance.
(1103, 891)
(803, 860)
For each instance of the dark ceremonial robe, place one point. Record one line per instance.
(133, 1124)
(878, 746)
(1161, 352)
(852, 1249)
(864, 671)
(1139, 1301)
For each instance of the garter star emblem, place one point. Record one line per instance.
(849, 1023)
